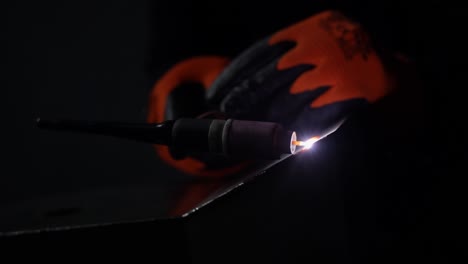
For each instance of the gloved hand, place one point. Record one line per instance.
(308, 77)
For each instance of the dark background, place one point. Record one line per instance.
(379, 198)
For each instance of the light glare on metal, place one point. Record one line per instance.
(309, 143)
(306, 144)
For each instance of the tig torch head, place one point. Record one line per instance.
(233, 138)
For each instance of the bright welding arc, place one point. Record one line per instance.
(306, 144)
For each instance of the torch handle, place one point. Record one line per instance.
(159, 133)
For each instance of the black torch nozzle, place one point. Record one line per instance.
(232, 138)
(159, 133)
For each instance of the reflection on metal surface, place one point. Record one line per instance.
(167, 197)
(199, 195)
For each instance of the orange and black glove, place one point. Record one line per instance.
(308, 77)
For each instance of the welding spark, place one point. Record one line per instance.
(306, 144)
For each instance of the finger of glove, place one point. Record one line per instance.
(312, 122)
(266, 96)
(253, 98)
(244, 66)
(287, 107)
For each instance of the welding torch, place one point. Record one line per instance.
(231, 138)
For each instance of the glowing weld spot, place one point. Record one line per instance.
(306, 144)
(309, 143)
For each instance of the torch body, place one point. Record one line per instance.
(231, 138)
